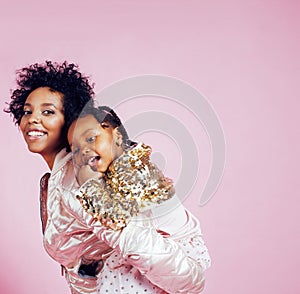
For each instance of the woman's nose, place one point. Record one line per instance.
(34, 118)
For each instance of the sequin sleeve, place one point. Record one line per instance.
(132, 184)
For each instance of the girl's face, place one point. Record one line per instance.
(42, 123)
(94, 144)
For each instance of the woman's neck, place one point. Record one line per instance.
(50, 159)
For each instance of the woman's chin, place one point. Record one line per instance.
(34, 149)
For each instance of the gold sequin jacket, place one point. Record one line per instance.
(131, 184)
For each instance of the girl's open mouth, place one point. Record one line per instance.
(93, 162)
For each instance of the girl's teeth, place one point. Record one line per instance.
(93, 159)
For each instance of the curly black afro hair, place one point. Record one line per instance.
(61, 77)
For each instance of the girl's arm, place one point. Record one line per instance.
(175, 262)
(172, 256)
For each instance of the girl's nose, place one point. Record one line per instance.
(85, 151)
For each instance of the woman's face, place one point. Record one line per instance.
(94, 144)
(42, 122)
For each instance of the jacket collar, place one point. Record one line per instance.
(61, 159)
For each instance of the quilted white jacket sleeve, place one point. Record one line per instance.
(173, 256)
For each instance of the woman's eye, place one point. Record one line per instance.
(26, 112)
(91, 139)
(48, 112)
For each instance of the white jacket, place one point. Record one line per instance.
(165, 249)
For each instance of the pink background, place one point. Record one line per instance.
(242, 55)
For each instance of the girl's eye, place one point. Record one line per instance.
(48, 112)
(91, 139)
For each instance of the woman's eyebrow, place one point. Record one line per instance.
(44, 104)
(49, 104)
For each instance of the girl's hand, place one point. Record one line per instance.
(85, 173)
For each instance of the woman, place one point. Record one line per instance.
(47, 99)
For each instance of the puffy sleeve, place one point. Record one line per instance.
(173, 261)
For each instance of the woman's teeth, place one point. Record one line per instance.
(36, 133)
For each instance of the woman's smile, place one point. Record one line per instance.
(42, 122)
(35, 134)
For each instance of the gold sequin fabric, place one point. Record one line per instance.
(132, 184)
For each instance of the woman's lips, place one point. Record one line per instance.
(35, 134)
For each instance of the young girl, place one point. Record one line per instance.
(47, 99)
(157, 243)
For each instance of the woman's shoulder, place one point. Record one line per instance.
(63, 174)
(62, 159)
